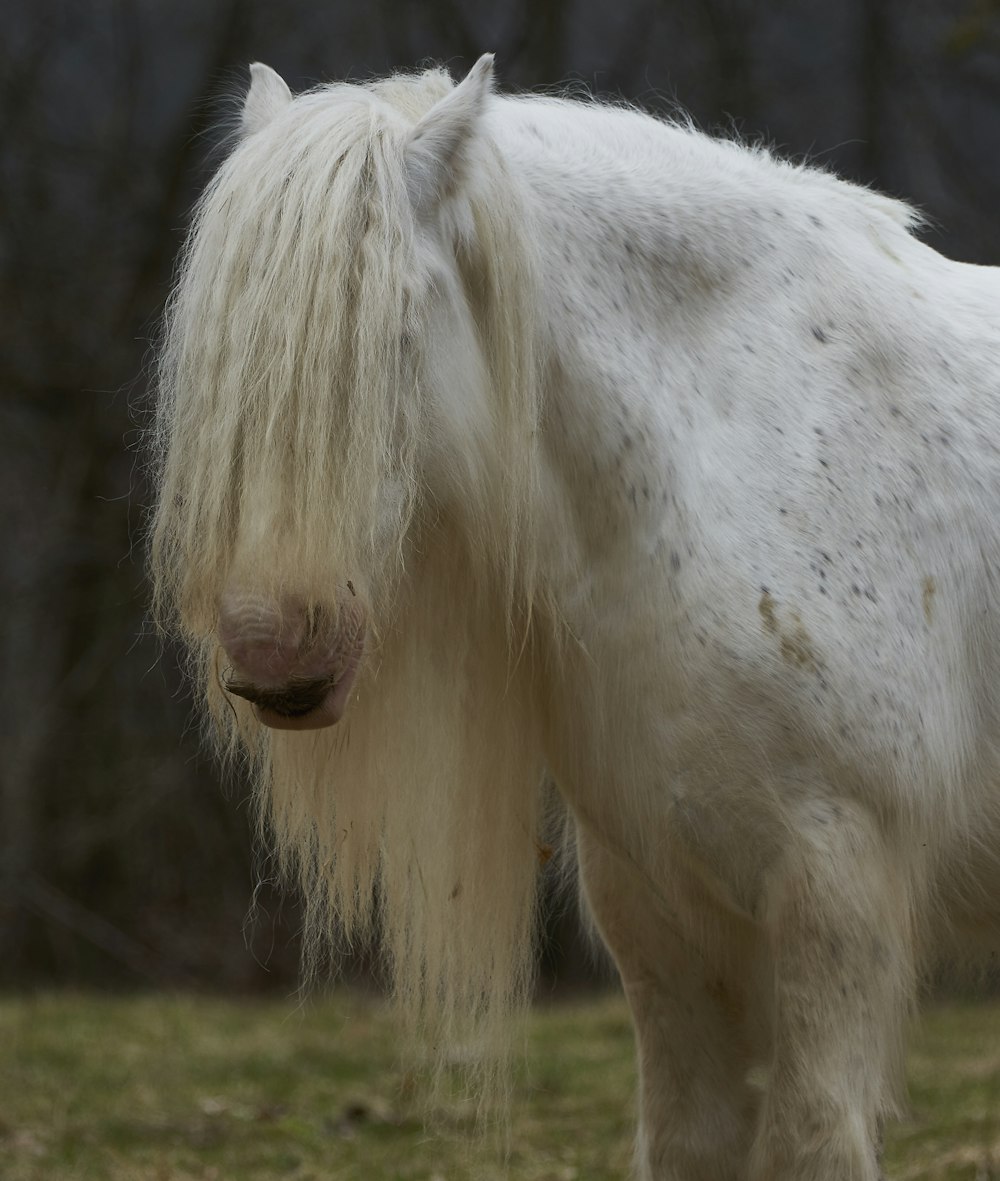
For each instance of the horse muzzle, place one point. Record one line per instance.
(296, 664)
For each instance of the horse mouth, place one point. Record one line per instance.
(301, 703)
(298, 698)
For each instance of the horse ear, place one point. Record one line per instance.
(436, 146)
(267, 97)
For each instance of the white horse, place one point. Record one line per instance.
(519, 436)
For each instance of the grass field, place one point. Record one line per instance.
(193, 1089)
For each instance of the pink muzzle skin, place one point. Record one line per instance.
(297, 670)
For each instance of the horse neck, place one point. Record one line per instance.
(671, 266)
(636, 254)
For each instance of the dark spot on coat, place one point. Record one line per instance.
(766, 609)
(929, 587)
(794, 643)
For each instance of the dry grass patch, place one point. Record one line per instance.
(192, 1089)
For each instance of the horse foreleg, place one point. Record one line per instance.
(687, 995)
(836, 916)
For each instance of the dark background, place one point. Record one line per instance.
(122, 860)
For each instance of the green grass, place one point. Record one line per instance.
(194, 1089)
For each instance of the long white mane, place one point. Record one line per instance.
(292, 419)
(285, 385)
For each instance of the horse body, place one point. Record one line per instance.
(782, 460)
(699, 514)
(780, 486)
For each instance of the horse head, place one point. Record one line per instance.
(327, 383)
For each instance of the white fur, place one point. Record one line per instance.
(688, 478)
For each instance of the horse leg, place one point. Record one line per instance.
(687, 995)
(836, 916)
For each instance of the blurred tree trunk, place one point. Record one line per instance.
(31, 661)
(876, 78)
